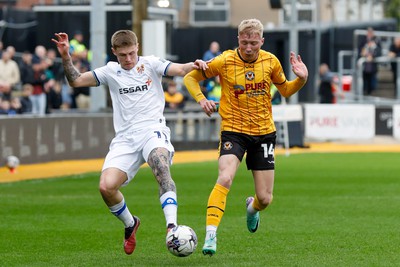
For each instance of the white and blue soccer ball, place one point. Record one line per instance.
(181, 241)
(12, 162)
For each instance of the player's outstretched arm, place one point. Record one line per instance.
(74, 77)
(191, 81)
(177, 69)
(298, 67)
(288, 88)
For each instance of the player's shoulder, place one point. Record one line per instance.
(112, 65)
(147, 58)
(266, 54)
(109, 68)
(229, 53)
(153, 60)
(150, 58)
(223, 57)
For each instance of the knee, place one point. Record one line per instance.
(106, 189)
(265, 200)
(225, 180)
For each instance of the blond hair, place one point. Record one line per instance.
(250, 27)
(123, 38)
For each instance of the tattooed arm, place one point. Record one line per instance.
(74, 77)
(158, 161)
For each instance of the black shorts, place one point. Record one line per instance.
(260, 149)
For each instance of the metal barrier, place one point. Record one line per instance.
(357, 63)
(360, 64)
(357, 73)
(193, 126)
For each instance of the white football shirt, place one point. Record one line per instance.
(137, 95)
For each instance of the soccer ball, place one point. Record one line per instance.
(181, 241)
(12, 162)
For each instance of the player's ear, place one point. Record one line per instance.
(113, 51)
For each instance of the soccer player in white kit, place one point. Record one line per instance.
(141, 134)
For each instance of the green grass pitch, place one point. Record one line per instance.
(328, 210)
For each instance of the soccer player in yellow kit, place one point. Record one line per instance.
(247, 126)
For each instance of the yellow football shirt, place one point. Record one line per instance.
(245, 104)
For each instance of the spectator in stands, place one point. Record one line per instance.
(214, 89)
(25, 98)
(173, 98)
(16, 105)
(78, 49)
(327, 85)
(11, 50)
(55, 66)
(5, 108)
(212, 52)
(394, 52)
(26, 68)
(40, 63)
(54, 96)
(67, 94)
(370, 48)
(9, 75)
(81, 95)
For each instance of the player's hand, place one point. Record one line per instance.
(298, 67)
(208, 106)
(62, 43)
(200, 64)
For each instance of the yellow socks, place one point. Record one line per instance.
(216, 205)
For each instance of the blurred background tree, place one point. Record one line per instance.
(392, 8)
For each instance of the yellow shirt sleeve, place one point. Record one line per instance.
(289, 88)
(191, 81)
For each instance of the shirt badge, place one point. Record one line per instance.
(249, 75)
(140, 69)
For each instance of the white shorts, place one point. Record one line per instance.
(129, 151)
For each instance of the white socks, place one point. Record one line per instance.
(121, 211)
(170, 207)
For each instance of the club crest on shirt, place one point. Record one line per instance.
(227, 146)
(249, 75)
(140, 69)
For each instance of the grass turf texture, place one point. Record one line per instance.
(328, 210)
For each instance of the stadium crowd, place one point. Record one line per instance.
(34, 83)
